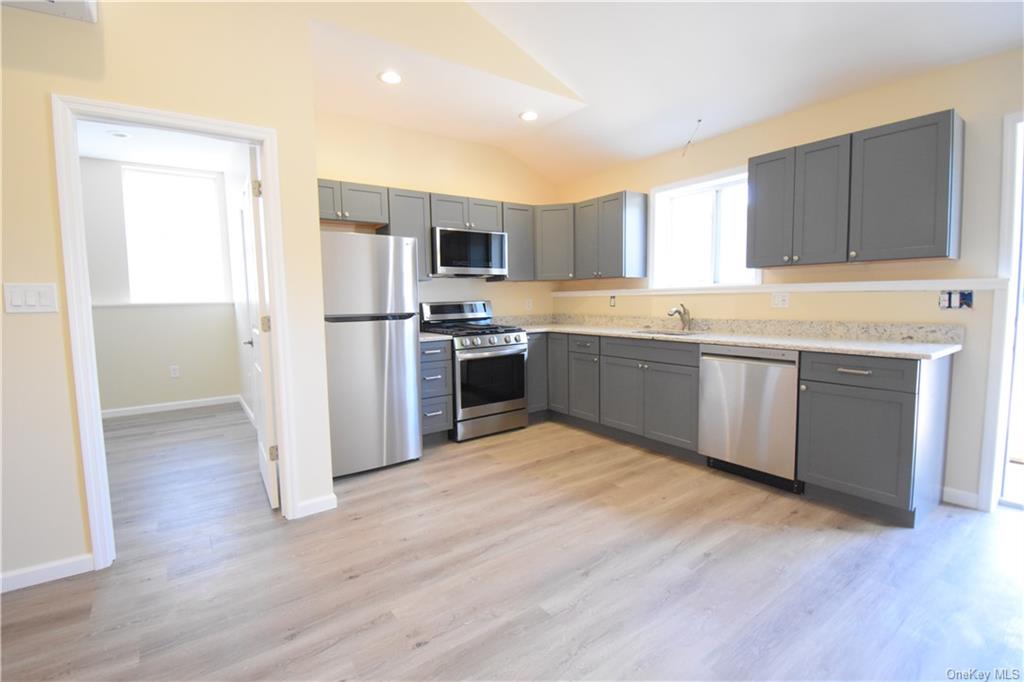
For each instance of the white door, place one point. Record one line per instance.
(258, 344)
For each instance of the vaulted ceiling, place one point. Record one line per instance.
(618, 81)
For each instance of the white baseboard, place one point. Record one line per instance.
(315, 506)
(248, 412)
(44, 573)
(167, 407)
(960, 498)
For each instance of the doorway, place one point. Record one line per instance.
(1012, 489)
(164, 251)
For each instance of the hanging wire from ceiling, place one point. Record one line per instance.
(686, 146)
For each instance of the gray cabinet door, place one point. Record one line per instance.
(554, 242)
(537, 373)
(449, 211)
(611, 234)
(622, 394)
(905, 189)
(558, 373)
(585, 239)
(485, 215)
(857, 440)
(770, 209)
(409, 216)
(329, 195)
(821, 209)
(517, 221)
(671, 396)
(364, 203)
(585, 386)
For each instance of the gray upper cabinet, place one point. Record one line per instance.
(622, 394)
(409, 213)
(485, 215)
(364, 203)
(558, 373)
(585, 239)
(821, 212)
(770, 209)
(449, 211)
(584, 386)
(329, 194)
(671, 396)
(554, 241)
(611, 236)
(517, 221)
(905, 189)
(537, 373)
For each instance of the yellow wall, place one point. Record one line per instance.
(136, 344)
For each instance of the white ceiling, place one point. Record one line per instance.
(645, 71)
(161, 147)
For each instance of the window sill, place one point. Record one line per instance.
(159, 305)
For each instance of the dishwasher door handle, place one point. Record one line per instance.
(747, 361)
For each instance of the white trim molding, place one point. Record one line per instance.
(45, 572)
(976, 284)
(67, 111)
(171, 406)
(961, 498)
(315, 505)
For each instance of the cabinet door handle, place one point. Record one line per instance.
(858, 372)
(853, 254)
(433, 378)
(785, 259)
(570, 275)
(595, 359)
(803, 387)
(580, 344)
(796, 258)
(337, 213)
(436, 351)
(433, 414)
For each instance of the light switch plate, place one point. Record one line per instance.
(30, 298)
(780, 299)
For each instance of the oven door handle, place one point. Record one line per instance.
(496, 353)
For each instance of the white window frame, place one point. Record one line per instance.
(698, 184)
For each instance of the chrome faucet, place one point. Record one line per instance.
(684, 315)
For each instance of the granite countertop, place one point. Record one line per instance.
(431, 336)
(887, 349)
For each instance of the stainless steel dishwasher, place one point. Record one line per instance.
(748, 411)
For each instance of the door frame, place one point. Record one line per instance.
(67, 111)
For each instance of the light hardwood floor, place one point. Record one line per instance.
(540, 554)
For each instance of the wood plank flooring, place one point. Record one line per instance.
(548, 553)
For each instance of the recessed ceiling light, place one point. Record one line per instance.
(528, 115)
(118, 133)
(390, 77)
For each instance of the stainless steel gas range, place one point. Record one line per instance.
(490, 367)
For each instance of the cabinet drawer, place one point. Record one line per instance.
(435, 379)
(580, 343)
(668, 352)
(436, 414)
(894, 374)
(435, 351)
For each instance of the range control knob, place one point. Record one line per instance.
(476, 342)
(518, 338)
(492, 340)
(508, 339)
(465, 342)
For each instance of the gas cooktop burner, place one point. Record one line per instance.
(467, 328)
(471, 324)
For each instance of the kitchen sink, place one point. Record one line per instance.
(668, 332)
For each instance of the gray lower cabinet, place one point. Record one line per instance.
(874, 429)
(585, 239)
(517, 222)
(821, 205)
(537, 373)
(554, 241)
(436, 415)
(558, 373)
(409, 213)
(485, 215)
(585, 386)
(364, 203)
(436, 386)
(905, 189)
(671, 397)
(449, 211)
(329, 196)
(435, 379)
(622, 394)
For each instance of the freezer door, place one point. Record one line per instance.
(373, 393)
(367, 274)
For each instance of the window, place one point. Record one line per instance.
(174, 237)
(700, 235)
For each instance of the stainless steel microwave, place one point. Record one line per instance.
(469, 253)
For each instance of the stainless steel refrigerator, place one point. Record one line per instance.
(372, 332)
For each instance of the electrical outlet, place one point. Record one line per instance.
(780, 299)
(175, 371)
(611, 301)
(529, 304)
(955, 299)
